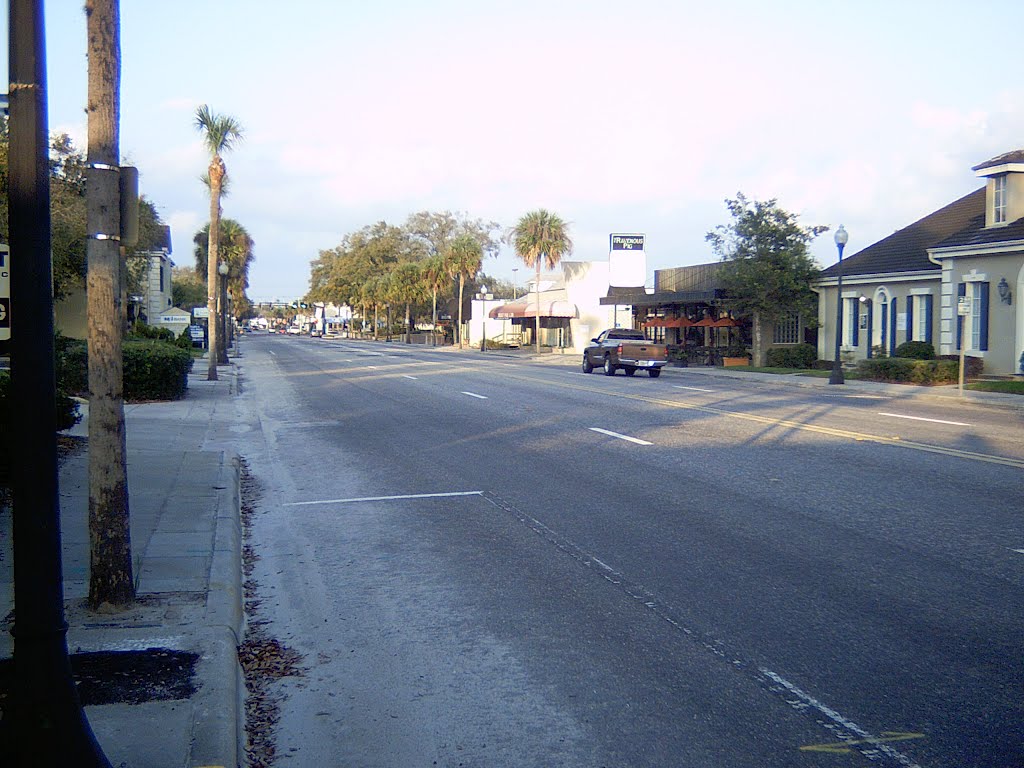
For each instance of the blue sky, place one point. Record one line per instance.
(621, 117)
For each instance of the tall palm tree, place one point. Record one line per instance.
(407, 286)
(435, 277)
(463, 257)
(110, 564)
(540, 236)
(220, 133)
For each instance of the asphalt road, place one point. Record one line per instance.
(494, 563)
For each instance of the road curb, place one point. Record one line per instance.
(218, 731)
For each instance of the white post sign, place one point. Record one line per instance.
(5, 293)
(963, 308)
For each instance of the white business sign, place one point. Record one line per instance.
(627, 260)
(5, 293)
(201, 312)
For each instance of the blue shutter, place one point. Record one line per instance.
(884, 335)
(983, 318)
(855, 322)
(928, 319)
(892, 324)
(910, 318)
(961, 290)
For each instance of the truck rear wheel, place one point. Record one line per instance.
(609, 369)
(654, 373)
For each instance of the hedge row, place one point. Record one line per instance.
(153, 370)
(66, 409)
(797, 356)
(900, 369)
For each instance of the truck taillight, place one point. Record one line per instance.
(619, 350)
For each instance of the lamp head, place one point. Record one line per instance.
(222, 268)
(842, 236)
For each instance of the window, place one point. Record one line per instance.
(999, 200)
(922, 318)
(975, 335)
(975, 295)
(787, 330)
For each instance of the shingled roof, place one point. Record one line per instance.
(1016, 156)
(907, 249)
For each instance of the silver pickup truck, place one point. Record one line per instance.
(626, 349)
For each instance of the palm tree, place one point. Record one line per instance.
(405, 285)
(236, 248)
(540, 236)
(463, 257)
(220, 133)
(435, 277)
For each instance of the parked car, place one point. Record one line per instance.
(626, 349)
(294, 330)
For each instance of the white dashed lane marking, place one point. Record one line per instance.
(627, 438)
(921, 418)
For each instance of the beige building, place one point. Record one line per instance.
(907, 286)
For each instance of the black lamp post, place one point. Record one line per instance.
(836, 377)
(222, 323)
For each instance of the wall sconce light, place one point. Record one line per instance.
(1005, 294)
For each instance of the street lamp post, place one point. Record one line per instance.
(222, 339)
(514, 291)
(482, 297)
(836, 377)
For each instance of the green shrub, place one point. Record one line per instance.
(901, 369)
(65, 409)
(142, 331)
(71, 364)
(975, 365)
(797, 356)
(184, 340)
(822, 365)
(155, 370)
(736, 350)
(916, 350)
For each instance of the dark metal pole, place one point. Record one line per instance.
(47, 726)
(836, 377)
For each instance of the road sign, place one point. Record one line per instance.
(5, 293)
(963, 306)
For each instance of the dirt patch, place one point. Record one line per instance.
(124, 677)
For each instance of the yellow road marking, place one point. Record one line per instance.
(843, 747)
(830, 431)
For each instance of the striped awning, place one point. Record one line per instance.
(548, 308)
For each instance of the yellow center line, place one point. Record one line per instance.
(771, 421)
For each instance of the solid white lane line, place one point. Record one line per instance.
(1018, 551)
(921, 418)
(384, 498)
(407, 376)
(865, 397)
(474, 394)
(372, 367)
(695, 389)
(636, 440)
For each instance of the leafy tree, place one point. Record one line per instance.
(110, 557)
(540, 236)
(220, 133)
(188, 288)
(766, 267)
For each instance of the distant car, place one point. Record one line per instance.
(294, 330)
(316, 333)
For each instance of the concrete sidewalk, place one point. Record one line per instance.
(186, 544)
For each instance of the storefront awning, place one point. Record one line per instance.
(548, 308)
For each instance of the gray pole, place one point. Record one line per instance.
(47, 726)
(836, 377)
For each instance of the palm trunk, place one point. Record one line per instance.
(110, 558)
(376, 321)
(758, 352)
(536, 320)
(212, 321)
(408, 324)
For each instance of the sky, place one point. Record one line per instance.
(640, 116)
